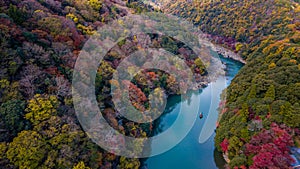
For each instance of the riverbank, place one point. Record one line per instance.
(217, 67)
(189, 153)
(227, 53)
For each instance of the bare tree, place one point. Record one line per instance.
(63, 86)
(30, 74)
(37, 52)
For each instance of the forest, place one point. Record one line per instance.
(41, 39)
(40, 42)
(260, 112)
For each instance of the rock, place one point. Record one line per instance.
(220, 50)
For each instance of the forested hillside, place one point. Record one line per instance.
(261, 111)
(39, 43)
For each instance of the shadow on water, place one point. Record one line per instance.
(219, 160)
(173, 103)
(189, 153)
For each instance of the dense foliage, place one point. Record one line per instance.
(266, 90)
(39, 43)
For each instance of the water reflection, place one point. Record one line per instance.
(189, 153)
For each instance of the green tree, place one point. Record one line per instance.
(4, 162)
(270, 93)
(245, 134)
(16, 14)
(244, 112)
(9, 91)
(199, 64)
(3, 149)
(252, 93)
(290, 116)
(237, 161)
(234, 146)
(12, 119)
(105, 70)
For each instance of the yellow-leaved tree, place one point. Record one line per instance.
(41, 108)
(27, 150)
(80, 165)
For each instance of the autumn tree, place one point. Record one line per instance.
(36, 52)
(4, 162)
(81, 165)
(63, 86)
(269, 148)
(224, 145)
(127, 163)
(41, 108)
(31, 76)
(95, 4)
(27, 150)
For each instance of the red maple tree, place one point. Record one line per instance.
(271, 148)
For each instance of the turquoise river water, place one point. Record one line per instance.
(190, 153)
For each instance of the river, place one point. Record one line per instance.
(189, 153)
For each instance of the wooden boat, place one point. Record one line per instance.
(201, 115)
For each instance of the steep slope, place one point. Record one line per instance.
(40, 41)
(261, 110)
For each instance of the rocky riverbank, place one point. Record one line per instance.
(214, 70)
(219, 49)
